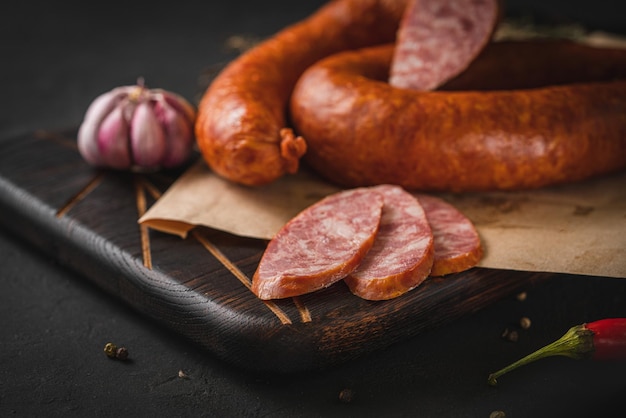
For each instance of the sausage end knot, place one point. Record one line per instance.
(292, 147)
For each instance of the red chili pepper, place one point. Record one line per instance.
(600, 340)
(609, 338)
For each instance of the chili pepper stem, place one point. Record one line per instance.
(576, 343)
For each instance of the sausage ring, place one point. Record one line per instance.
(361, 131)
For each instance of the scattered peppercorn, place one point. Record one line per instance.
(521, 296)
(121, 353)
(346, 395)
(510, 335)
(110, 349)
(115, 352)
(497, 414)
(524, 322)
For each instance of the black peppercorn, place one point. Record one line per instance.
(121, 353)
(524, 322)
(346, 395)
(510, 335)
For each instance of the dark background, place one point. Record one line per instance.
(54, 323)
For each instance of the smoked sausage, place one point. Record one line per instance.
(529, 64)
(319, 246)
(403, 252)
(457, 244)
(241, 125)
(437, 40)
(241, 128)
(361, 131)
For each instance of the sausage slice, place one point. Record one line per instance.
(439, 39)
(402, 255)
(457, 243)
(320, 245)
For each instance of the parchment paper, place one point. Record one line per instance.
(200, 197)
(577, 228)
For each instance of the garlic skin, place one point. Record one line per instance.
(136, 128)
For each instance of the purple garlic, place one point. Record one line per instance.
(133, 127)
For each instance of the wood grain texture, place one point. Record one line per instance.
(200, 286)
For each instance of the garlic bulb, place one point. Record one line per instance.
(133, 127)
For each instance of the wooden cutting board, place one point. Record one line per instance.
(199, 286)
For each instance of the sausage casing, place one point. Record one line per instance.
(241, 124)
(361, 131)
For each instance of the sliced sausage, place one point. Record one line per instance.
(456, 241)
(437, 40)
(402, 255)
(320, 246)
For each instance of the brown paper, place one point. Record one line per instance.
(199, 197)
(577, 228)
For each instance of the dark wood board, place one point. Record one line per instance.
(199, 287)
